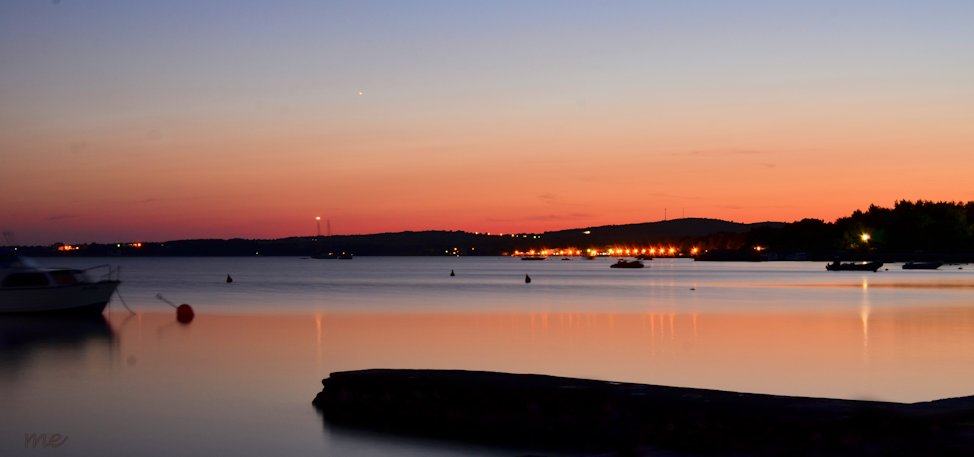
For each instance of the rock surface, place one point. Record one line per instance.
(599, 416)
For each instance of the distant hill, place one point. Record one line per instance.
(677, 231)
(910, 230)
(709, 233)
(670, 231)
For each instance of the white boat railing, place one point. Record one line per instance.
(111, 273)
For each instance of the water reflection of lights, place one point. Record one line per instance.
(318, 338)
(864, 316)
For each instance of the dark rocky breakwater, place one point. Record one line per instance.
(588, 416)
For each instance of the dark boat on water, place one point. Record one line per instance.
(332, 255)
(922, 265)
(533, 257)
(622, 263)
(854, 266)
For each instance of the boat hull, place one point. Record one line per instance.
(869, 266)
(625, 264)
(83, 298)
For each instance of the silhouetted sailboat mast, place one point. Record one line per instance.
(324, 251)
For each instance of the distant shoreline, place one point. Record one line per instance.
(910, 231)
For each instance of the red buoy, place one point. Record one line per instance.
(184, 314)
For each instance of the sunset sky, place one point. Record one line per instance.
(161, 120)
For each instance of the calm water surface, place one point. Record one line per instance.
(239, 379)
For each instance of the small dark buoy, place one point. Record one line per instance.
(452, 273)
(229, 279)
(184, 314)
(693, 288)
(527, 279)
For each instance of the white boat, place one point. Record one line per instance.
(28, 288)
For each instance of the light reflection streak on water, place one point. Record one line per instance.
(864, 317)
(318, 338)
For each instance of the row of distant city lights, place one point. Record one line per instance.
(71, 247)
(661, 251)
(512, 235)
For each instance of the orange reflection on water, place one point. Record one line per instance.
(889, 354)
(865, 284)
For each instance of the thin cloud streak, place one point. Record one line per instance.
(545, 218)
(62, 217)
